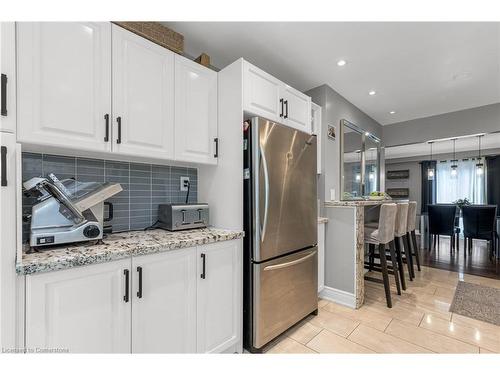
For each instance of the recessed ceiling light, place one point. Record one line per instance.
(341, 62)
(373, 92)
(392, 112)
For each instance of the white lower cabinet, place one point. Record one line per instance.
(81, 309)
(171, 302)
(164, 302)
(219, 296)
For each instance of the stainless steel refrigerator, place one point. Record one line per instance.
(280, 220)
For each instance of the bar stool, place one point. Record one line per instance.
(402, 245)
(382, 238)
(410, 232)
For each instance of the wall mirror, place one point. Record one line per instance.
(359, 161)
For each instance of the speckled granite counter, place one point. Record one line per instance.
(359, 203)
(118, 246)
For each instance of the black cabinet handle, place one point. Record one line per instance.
(4, 166)
(3, 110)
(203, 274)
(106, 120)
(281, 102)
(286, 107)
(119, 121)
(127, 279)
(139, 292)
(216, 140)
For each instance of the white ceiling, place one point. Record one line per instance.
(417, 69)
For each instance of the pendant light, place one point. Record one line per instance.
(479, 165)
(454, 162)
(430, 171)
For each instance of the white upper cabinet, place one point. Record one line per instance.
(164, 302)
(143, 96)
(266, 96)
(297, 111)
(316, 114)
(195, 112)
(64, 83)
(83, 310)
(219, 296)
(8, 77)
(261, 93)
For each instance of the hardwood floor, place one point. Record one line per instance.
(419, 322)
(479, 263)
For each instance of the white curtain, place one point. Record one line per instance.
(466, 184)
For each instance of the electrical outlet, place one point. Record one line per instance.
(184, 183)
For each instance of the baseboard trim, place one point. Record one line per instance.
(338, 296)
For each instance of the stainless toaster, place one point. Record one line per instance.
(179, 216)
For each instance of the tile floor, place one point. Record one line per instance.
(419, 322)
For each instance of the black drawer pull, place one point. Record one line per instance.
(203, 270)
(4, 166)
(281, 102)
(286, 107)
(139, 292)
(119, 121)
(216, 140)
(3, 106)
(126, 297)
(106, 121)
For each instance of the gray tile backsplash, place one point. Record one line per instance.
(145, 186)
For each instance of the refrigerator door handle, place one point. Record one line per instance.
(266, 193)
(291, 263)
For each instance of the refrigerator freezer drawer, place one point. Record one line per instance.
(285, 291)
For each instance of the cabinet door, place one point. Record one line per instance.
(219, 311)
(143, 96)
(164, 315)
(297, 109)
(64, 84)
(195, 112)
(8, 77)
(82, 309)
(261, 93)
(316, 129)
(8, 228)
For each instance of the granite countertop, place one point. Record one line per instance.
(355, 203)
(118, 246)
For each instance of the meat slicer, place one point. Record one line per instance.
(67, 211)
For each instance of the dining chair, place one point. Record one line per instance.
(480, 223)
(442, 223)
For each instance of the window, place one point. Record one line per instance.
(466, 184)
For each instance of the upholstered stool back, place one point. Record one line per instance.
(386, 222)
(401, 219)
(412, 216)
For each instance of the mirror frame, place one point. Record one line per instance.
(364, 134)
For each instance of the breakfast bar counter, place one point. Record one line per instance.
(344, 249)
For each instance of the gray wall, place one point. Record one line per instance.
(335, 108)
(145, 186)
(469, 121)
